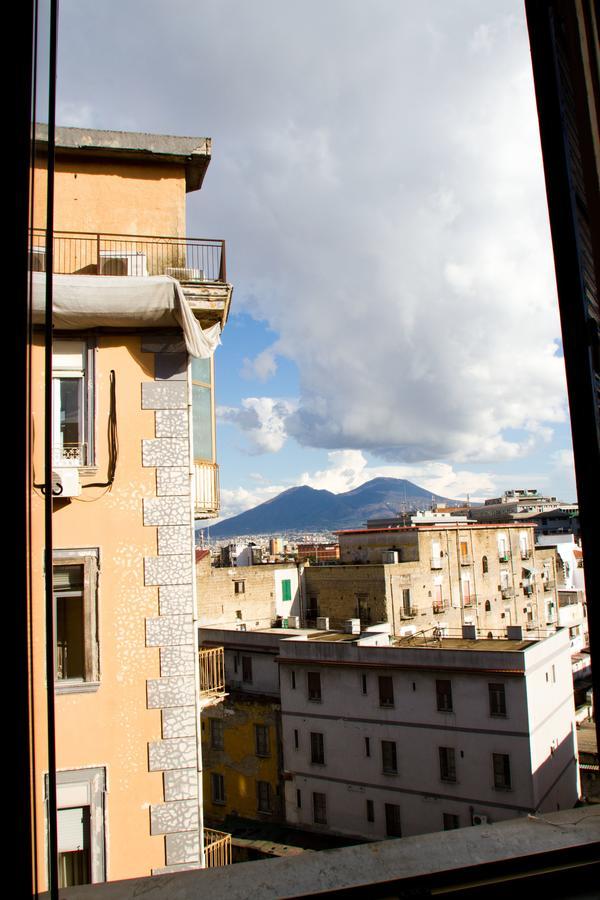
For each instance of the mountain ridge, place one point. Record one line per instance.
(302, 508)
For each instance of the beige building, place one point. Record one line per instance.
(246, 597)
(136, 319)
(435, 576)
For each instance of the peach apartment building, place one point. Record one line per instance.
(137, 312)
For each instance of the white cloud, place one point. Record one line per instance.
(240, 499)
(262, 367)
(379, 179)
(262, 421)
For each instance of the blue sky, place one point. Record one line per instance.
(377, 174)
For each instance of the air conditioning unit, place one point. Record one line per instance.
(352, 626)
(123, 262)
(323, 623)
(389, 556)
(37, 259)
(65, 483)
(293, 621)
(184, 274)
(479, 820)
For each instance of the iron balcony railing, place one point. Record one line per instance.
(190, 260)
(507, 593)
(207, 494)
(212, 671)
(69, 456)
(408, 612)
(469, 600)
(217, 848)
(439, 606)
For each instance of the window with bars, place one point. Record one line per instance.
(319, 809)
(216, 734)
(501, 767)
(497, 698)
(263, 796)
(389, 759)
(392, 820)
(447, 763)
(261, 739)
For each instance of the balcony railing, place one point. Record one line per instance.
(469, 600)
(190, 260)
(436, 562)
(217, 848)
(212, 671)
(507, 593)
(525, 553)
(69, 456)
(408, 612)
(439, 606)
(207, 493)
(465, 559)
(549, 585)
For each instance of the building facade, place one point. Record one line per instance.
(136, 320)
(435, 576)
(420, 736)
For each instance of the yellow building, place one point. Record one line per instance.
(137, 307)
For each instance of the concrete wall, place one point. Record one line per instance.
(349, 712)
(469, 590)
(258, 605)
(126, 197)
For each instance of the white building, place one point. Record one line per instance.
(422, 735)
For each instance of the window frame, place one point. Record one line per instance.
(319, 808)
(247, 673)
(389, 757)
(317, 748)
(386, 698)
(263, 789)
(92, 782)
(314, 695)
(86, 375)
(502, 778)
(217, 736)
(262, 740)
(89, 559)
(393, 820)
(447, 760)
(217, 788)
(442, 694)
(209, 386)
(497, 700)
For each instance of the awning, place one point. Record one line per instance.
(113, 301)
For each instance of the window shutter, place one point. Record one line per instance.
(73, 829)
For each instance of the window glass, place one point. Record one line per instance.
(203, 422)
(201, 370)
(386, 690)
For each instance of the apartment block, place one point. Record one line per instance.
(423, 735)
(136, 320)
(420, 577)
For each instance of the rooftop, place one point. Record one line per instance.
(499, 644)
(192, 152)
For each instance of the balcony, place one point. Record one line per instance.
(408, 612)
(503, 556)
(207, 495)
(439, 606)
(469, 600)
(436, 562)
(212, 676)
(197, 263)
(466, 559)
(525, 553)
(69, 456)
(507, 593)
(217, 848)
(549, 585)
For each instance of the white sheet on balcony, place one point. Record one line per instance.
(116, 301)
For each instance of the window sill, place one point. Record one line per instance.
(388, 772)
(76, 687)
(314, 700)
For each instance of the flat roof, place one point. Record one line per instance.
(441, 526)
(498, 645)
(192, 152)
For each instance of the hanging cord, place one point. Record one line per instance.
(113, 437)
(113, 445)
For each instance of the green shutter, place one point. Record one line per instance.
(286, 589)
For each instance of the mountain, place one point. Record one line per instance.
(306, 509)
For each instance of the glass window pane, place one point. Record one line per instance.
(201, 370)
(203, 423)
(71, 410)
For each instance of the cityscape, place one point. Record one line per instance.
(302, 643)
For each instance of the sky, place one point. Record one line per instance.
(377, 176)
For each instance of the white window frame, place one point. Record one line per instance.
(64, 354)
(89, 559)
